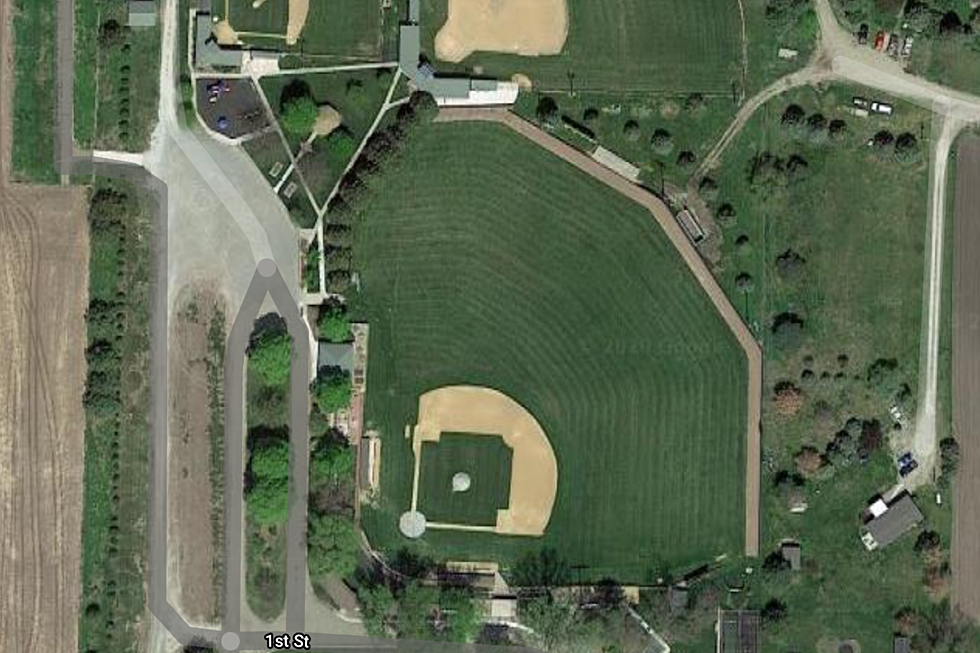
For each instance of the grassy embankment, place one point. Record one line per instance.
(34, 30)
(116, 404)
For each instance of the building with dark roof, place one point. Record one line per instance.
(142, 13)
(890, 520)
(330, 354)
(793, 554)
(207, 52)
(901, 645)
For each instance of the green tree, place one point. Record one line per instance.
(298, 115)
(949, 457)
(662, 142)
(332, 546)
(415, 607)
(547, 111)
(332, 389)
(268, 357)
(461, 619)
(268, 502)
(332, 463)
(333, 323)
(377, 606)
(270, 463)
(546, 568)
(558, 624)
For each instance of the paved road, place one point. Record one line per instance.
(697, 267)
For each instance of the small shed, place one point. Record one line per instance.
(677, 597)
(901, 644)
(142, 13)
(793, 554)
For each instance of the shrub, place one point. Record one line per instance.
(298, 115)
(631, 130)
(744, 282)
(111, 33)
(790, 265)
(773, 611)
(333, 323)
(788, 398)
(686, 160)
(949, 458)
(816, 126)
(341, 144)
(872, 438)
(547, 111)
(927, 542)
(332, 389)
(907, 148)
(837, 129)
(268, 356)
(726, 215)
(708, 188)
(787, 331)
(590, 115)
(793, 117)
(332, 546)
(662, 141)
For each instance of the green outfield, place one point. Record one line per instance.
(625, 45)
(348, 28)
(485, 460)
(270, 18)
(484, 260)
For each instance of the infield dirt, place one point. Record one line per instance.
(966, 379)
(523, 27)
(43, 288)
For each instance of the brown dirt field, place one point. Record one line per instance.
(190, 527)
(44, 289)
(523, 27)
(534, 468)
(695, 264)
(966, 379)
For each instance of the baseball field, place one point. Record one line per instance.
(623, 45)
(486, 261)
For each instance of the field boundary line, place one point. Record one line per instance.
(666, 220)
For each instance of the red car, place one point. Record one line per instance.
(880, 40)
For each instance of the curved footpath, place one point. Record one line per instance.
(695, 264)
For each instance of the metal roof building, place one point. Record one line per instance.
(331, 354)
(207, 52)
(899, 517)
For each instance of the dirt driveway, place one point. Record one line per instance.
(194, 535)
(43, 289)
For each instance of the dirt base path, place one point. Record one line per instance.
(694, 263)
(44, 292)
(966, 379)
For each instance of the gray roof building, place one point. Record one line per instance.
(207, 52)
(901, 516)
(737, 631)
(330, 354)
(901, 645)
(142, 13)
(793, 554)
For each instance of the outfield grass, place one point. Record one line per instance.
(270, 18)
(32, 151)
(486, 261)
(348, 28)
(487, 460)
(116, 425)
(625, 45)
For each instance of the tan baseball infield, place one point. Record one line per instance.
(524, 27)
(534, 468)
(298, 10)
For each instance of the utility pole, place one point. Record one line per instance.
(571, 83)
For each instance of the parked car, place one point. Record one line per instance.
(882, 108)
(862, 33)
(879, 40)
(893, 46)
(905, 459)
(859, 102)
(908, 469)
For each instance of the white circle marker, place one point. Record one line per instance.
(412, 524)
(267, 267)
(230, 641)
(461, 482)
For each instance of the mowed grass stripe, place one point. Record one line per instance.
(487, 261)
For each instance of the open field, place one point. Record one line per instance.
(856, 217)
(624, 45)
(115, 93)
(966, 378)
(487, 461)
(603, 335)
(33, 55)
(42, 372)
(196, 425)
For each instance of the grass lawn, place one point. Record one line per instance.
(625, 45)
(486, 460)
(858, 222)
(953, 62)
(266, 151)
(348, 28)
(32, 155)
(857, 219)
(116, 424)
(116, 79)
(766, 35)
(270, 18)
(486, 261)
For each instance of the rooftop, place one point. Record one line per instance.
(331, 354)
(901, 516)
